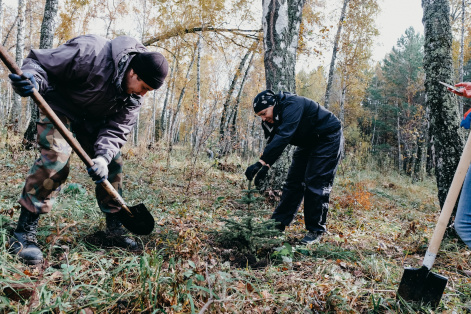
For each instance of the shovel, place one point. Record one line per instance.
(136, 219)
(420, 284)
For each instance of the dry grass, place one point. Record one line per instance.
(378, 224)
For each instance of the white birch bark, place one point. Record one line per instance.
(46, 40)
(334, 54)
(15, 115)
(281, 20)
(448, 140)
(463, 11)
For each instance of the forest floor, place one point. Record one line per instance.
(379, 222)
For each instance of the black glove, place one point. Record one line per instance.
(21, 86)
(261, 175)
(252, 170)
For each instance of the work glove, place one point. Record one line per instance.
(261, 175)
(465, 123)
(21, 86)
(99, 170)
(252, 170)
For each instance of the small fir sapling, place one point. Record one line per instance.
(251, 231)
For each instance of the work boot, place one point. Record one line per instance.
(312, 237)
(117, 235)
(280, 227)
(23, 242)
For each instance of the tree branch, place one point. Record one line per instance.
(181, 31)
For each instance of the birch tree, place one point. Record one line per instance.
(281, 20)
(15, 114)
(334, 54)
(45, 42)
(461, 66)
(1, 20)
(447, 139)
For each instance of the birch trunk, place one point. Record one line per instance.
(173, 125)
(235, 109)
(1, 23)
(463, 11)
(281, 21)
(170, 85)
(2, 104)
(448, 140)
(334, 54)
(225, 116)
(398, 133)
(194, 133)
(342, 104)
(15, 115)
(45, 42)
(154, 129)
(143, 30)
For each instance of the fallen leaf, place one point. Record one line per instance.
(265, 294)
(27, 273)
(357, 273)
(18, 292)
(56, 276)
(49, 238)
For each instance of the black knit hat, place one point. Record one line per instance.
(264, 100)
(151, 67)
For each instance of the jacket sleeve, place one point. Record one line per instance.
(113, 135)
(290, 120)
(32, 66)
(66, 64)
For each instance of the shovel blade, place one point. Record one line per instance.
(139, 222)
(421, 285)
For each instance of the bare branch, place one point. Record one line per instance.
(181, 31)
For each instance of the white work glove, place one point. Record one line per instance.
(99, 170)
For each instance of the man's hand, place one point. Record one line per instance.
(261, 175)
(21, 86)
(465, 90)
(99, 170)
(252, 170)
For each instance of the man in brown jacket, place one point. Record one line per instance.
(95, 86)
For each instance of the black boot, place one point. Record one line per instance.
(23, 242)
(117, 235)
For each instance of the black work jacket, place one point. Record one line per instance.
(297, 121)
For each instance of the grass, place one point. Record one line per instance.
(378, 224)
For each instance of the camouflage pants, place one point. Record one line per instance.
(51, 169)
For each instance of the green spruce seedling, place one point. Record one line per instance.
(252, 232)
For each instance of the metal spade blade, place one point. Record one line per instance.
(139, 220)
(421, 285)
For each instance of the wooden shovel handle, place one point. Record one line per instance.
(449, 204)
(42, 104)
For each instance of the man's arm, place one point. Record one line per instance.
(113, 135)
(291, 117)
(70, 63)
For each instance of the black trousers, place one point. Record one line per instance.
(311, 176)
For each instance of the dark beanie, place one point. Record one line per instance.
(264, 100)
(151, 67)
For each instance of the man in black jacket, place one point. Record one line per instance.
(317, 133)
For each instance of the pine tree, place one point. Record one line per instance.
(250, 232)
